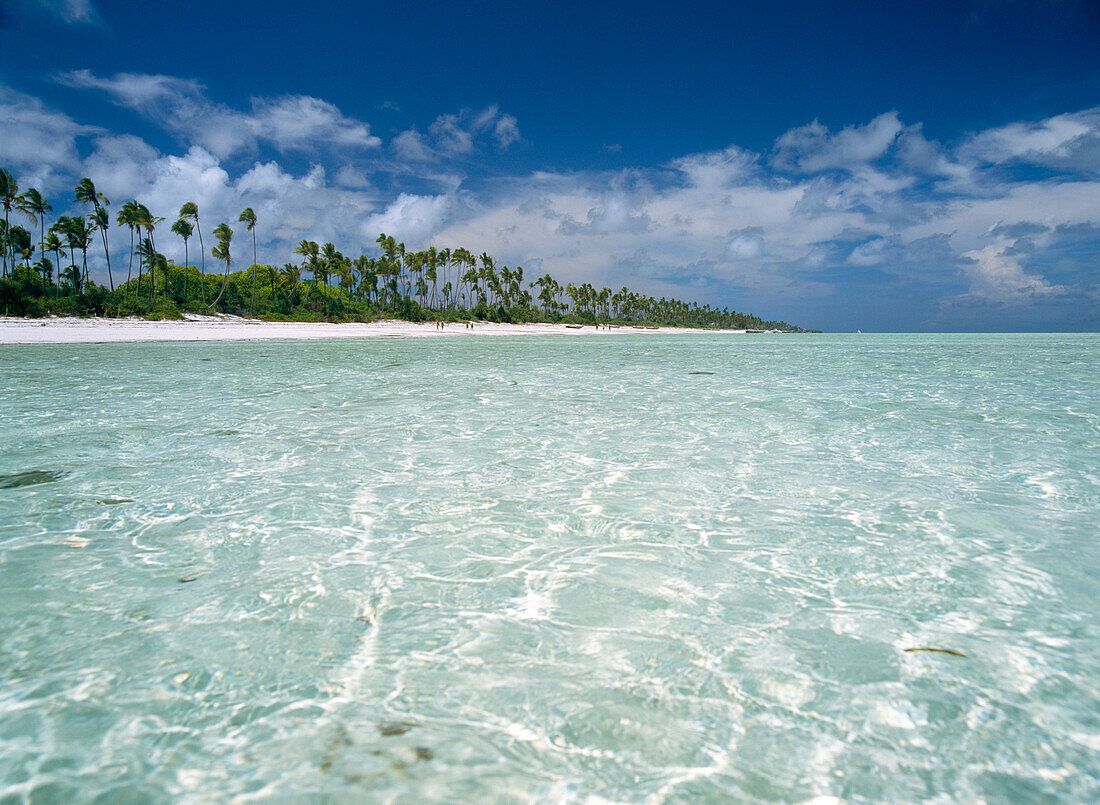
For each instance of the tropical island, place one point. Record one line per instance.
(49, 276)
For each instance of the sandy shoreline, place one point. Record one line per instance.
(232, 328)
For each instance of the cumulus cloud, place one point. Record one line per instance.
(999, 277)
(746, 246)
(288, 123)
(38, 142)
(1065, 141)
(450, 137)
(716, 168)
(457, 135)
(408, 218)
(410, 146)
(812, 148)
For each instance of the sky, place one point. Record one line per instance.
(903, 166)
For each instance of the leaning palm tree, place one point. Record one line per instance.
(190, 211)
(183, 228)
(221, 252)
(291, 274)
(127, 216)
(311, 252)
(53, 243)
(148, 222)
(87, 194)
(9, 195)
(36, 207)
(249, 219)
(79, 236)
(103, 224)
(147, 255)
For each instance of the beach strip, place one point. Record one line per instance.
(63, 330)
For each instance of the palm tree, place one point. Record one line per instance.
(103, 224)
(34, 206)
(127, 216)
(148, 222)
(21, 244)
(249, 219)
(9, 195)
(54, 244)
(147, 255)
(79, 236)
(183, 228)
(291, 274)
(87, 194)
(221, 252)
(310, 252)
(190, 211)
(470, 262)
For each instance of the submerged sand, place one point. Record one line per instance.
(60, 330)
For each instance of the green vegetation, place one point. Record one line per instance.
(441, 284)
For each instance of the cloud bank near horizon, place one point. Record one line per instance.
(874, 223)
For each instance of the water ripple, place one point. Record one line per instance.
(553, 571)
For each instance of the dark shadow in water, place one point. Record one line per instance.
(30, 478)
(700, 373)
(113, 501)
(391, 728)
(952, 652)
(226, 432)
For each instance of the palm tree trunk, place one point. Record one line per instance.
(7, 239)
(153, 268)
(224, 283)
(42, 248)
(107, 252)
(252, 310)
(202, 270)
(130, 264)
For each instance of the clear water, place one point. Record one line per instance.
(552, 569)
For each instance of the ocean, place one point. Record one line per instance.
(652, 568)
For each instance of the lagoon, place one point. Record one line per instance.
(646, 569)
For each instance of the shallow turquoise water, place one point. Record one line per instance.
(552, 569)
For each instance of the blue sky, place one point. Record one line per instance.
(882, 166)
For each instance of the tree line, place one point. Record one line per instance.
(432, 283)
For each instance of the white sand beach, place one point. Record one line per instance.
(60, 330)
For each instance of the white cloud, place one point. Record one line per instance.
(998, 277)
(1069, 139)
(72, 12)
(716, 169)
(746, 246)
(811, 148)
(450, 137)
(37, 142)
(289, 123)
(506, 130)
(409, 218)
(350, 176)
(411, 147)
(868, 254)
(300, 122)
(137, 91)
(457, 135)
